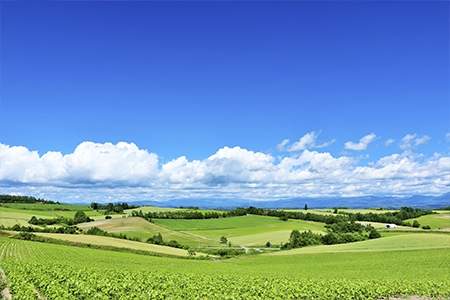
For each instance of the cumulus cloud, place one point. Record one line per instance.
(89, 163)
(410, 141)
(308, 141)
(362, 144)
(125, 171)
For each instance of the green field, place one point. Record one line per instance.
(404, 261)
(247, 230)
(440, 221)
(64, 272)
(115, 242)
(412, 241)
(139, 228)
(11, 214)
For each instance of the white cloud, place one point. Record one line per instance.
(282, 145)
(305, 142)
(389, 142)
(90, 162)
(410, 141)
(308, 141)
(362, 144)
(124, 171)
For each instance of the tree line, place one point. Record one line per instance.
(111, 208)
(337, 233)
(396, 217)
(80, 217)
(23, 199)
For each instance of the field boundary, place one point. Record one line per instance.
(4, 286)
(41, 239)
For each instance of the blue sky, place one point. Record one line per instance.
(189, 78)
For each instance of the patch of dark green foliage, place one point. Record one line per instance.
(24, 199)
(80, 217)
(112, 208)
(337, 233)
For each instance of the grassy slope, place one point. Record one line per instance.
(21, 213)
(413, 241)
(245, 230)
(114, 242)
(142, 229)
(12, 213)
(408, 265)
(440, 220)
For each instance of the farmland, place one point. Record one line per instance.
(440, 220)
(124, 262)
(72, 273)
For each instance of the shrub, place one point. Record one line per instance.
(426, 227)
(374, 234)
(416, 224)
(96, 231)
(108, 217)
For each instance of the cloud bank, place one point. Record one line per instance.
(125, 171)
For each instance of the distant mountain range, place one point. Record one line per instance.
(350, 202)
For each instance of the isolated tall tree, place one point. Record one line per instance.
(306, 206)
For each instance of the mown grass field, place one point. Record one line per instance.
(247, 230)
(65, 272)
(440, 220)
(115, 242)
(139, 228)
(412, 241)
(12, 213)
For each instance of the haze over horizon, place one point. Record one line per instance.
(209, 100)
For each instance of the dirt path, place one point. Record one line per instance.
(5, 293)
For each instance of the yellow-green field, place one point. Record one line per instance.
(140, 228)
(440, 220)
(115, 242)
(247, 230)
(410, 241)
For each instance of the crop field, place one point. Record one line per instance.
(405, 261)
(246, 230)
(64, 272)
(115, 242)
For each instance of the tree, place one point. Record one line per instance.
(335, 211)
(156, 239)
(268, 244)
(374, 234)
(223, 240)
(284, 218)
(306, 206)
(416, 224)
(94, 205)
(80, 217)
(33, 220)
